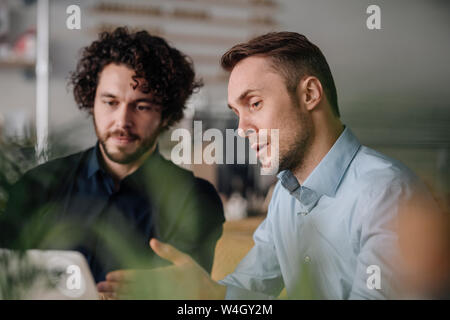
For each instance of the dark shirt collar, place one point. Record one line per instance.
(95, 164)
(93, 161)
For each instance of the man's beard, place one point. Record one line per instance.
(122, 157)
(295, 153)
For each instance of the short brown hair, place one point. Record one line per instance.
(293, 55)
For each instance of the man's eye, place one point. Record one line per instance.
(110, 103)
(143, 108)
(255, 105)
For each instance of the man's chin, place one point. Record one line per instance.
(268, 167)
(122, 155)
(122, 158)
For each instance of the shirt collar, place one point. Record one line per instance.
(94, 160)
(327, 175)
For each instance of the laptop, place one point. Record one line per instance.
(46, 275)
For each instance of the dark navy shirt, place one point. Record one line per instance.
(109, 207)
(111, 226)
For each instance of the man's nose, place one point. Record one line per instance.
(124, 117)
(245, 129)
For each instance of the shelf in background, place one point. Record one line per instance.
(17, 63)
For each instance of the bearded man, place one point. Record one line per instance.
(107, 202)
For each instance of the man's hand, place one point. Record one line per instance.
(185, 279)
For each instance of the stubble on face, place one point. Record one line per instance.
(282, 112)
(297, 143)
(122, 155)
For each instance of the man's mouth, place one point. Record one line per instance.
(259, 148)
(123, 139)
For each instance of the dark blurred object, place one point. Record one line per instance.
(29, 2)
(4, 20)
(16, 157)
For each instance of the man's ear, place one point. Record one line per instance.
(311, 92)
(164, 123)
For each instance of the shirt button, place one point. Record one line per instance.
(303, 213)
(307, 259)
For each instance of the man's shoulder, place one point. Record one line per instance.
(169, 165)
(57, 168)
(379, 181)
(185, 198)
(376, 170)
(182, 177)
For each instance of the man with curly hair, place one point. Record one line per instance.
(107, 202)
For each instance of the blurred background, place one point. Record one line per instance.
(392, 83)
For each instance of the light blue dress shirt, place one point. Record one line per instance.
(330, 234)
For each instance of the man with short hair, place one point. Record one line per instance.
(332, 218)
(108, 201)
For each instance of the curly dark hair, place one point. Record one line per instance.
(169, 74)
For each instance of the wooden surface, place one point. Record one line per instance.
(234, 244)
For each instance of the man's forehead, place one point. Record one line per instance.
(125, 87)
(114, 74)
(115, 81)
(253, 66)
(250, 75)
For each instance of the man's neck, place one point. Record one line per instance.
(323, 139)
(119, 171)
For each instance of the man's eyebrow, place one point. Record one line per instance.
(148, 100)
(243, 96)
(110, 95)
(246, 93)
(107, 95)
